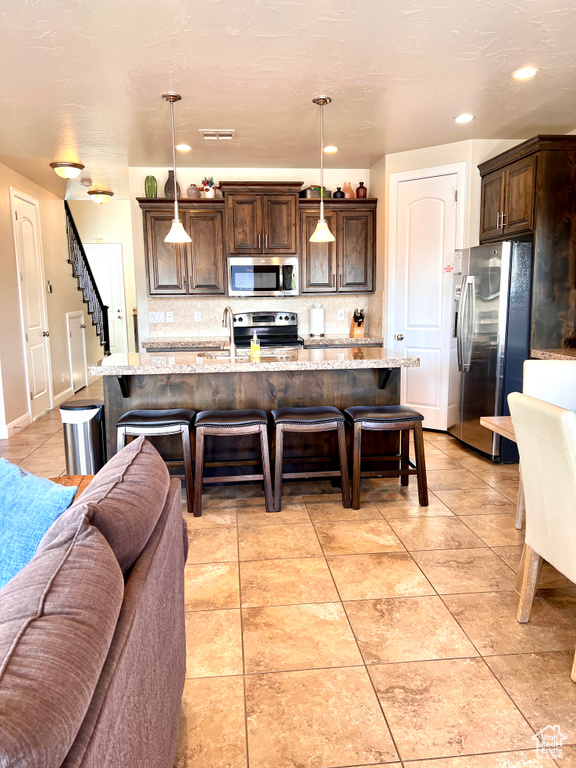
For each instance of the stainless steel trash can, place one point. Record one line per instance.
(83, 424)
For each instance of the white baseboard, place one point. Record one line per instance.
(59, 399)
(9, 430)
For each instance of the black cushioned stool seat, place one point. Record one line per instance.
(249, 421)
(157, 423)
(388, 418)
(316, 419)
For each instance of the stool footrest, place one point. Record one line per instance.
(232, 479)
(302, 475)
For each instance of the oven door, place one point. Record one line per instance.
(260, 276)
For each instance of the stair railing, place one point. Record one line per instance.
(86, 282)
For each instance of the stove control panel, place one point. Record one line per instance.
(246, 319)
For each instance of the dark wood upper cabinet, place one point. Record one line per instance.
(355, 243)
(280, 223)
(318, 260)
(492, 205)
(166, 261)
(244, 223)
(206, 272)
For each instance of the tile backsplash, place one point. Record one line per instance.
(211, 309)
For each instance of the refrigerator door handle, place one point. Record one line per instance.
(460, 322)
(467, 323)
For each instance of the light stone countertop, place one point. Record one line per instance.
(553, 354)
(154, 363)
(216, 343)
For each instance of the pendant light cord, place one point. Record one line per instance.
(321, 162)
(176, 217)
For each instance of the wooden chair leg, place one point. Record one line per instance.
(420, 465)
(188, 477)
(520, 505)
(266, 468)
(345, 480)
(520, 571)
(356, 464)
(405, 452)
(336, 482)
(120, 438)
(278, 467)
(532, 568)
(198, 480)
(573, 675)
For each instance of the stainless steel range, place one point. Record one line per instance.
(274, 329)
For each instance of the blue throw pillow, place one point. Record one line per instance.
(28, 507)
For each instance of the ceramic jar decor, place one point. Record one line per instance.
(209, 192)
(193, 191)
(347, 189)
(169, 186)
(361, 191)
(150, 186)
(339, 194)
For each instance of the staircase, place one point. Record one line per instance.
(86, 283)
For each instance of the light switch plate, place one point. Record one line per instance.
(156, 317)
(198, 316)
(340, 314)
(169, 317)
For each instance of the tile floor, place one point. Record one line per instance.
(321, 637)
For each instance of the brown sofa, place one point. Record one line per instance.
(92, 641)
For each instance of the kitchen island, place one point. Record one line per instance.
(212, 380)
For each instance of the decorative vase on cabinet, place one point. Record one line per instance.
(150, 186)
(339, 194)
(193, 191)
(361, 191)
(169, 186)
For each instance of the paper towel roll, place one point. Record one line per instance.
(317, 321)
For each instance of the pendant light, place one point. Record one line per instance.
(177, 232)
(322, 234)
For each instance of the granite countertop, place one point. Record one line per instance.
(216, 343)
(553, 354)
(150, 363)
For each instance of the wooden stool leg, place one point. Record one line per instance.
(278, 467)
(188, 478)
(343, 464)
(120, 438)
(405, 452)
(521, 505)
(267, 480)
(356, 464)
(532, 567)
(336, 482)
(198, 480)
(420, 464)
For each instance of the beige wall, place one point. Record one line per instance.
(211, 308)
(65, 296)
(110, 223)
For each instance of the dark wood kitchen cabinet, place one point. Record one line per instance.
(348, 264)
(261, 218)
(508, 196)
(196, 268)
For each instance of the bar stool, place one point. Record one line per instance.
(316, 419)
(150, 423)
(224, 424)
(393, 418)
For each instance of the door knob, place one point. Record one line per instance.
(399, 337)
(45, 333)
(83, 325)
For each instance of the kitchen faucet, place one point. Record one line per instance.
(228, 319)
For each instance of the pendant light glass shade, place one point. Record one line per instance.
(322, 234)
(177, 232)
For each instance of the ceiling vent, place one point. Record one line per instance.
(215, 134)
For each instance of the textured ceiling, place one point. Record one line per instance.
(81, 79)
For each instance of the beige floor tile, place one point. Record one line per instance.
(496, 530)
(476, 501)
(323, 717)
(489, 620)
(333, 510)
(568, 759)
(318, 498)
(40, 466)
(270, 542)
(465, 570)
(540, 685)
(313, 487)
(212, 729)
(15, 453)
(504, 473)
(440, 461)
(290, 637)
(52, 473)
(211, 585)
(212, 545)
(526, 759)
(448, 707)
(399, 510)
(453, 480)
(367, 577)
(213, 643)
(406, 629)
(507, 489)
(563, 599)
(550, 578)
(435, 533)
(284, 582)
(290, 513)
(347, 537)
(210, 518)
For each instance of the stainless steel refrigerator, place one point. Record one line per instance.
(490, 340)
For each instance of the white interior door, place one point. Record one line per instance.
(77, 349)
(33, 304)
(426, 241)
(105, 261)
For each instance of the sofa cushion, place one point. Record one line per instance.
(128, 495)
(28, 507)
(57, 620)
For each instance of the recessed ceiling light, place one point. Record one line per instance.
(100, 196)
(465, 118)
(330, 149)
(67, 170)
(525, 73)
(183, 147)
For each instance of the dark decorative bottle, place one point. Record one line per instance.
(361, 191)
(339, 193)
(169, 186)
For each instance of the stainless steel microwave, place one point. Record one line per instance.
(263, 276)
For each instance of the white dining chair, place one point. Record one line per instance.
(546, 437)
